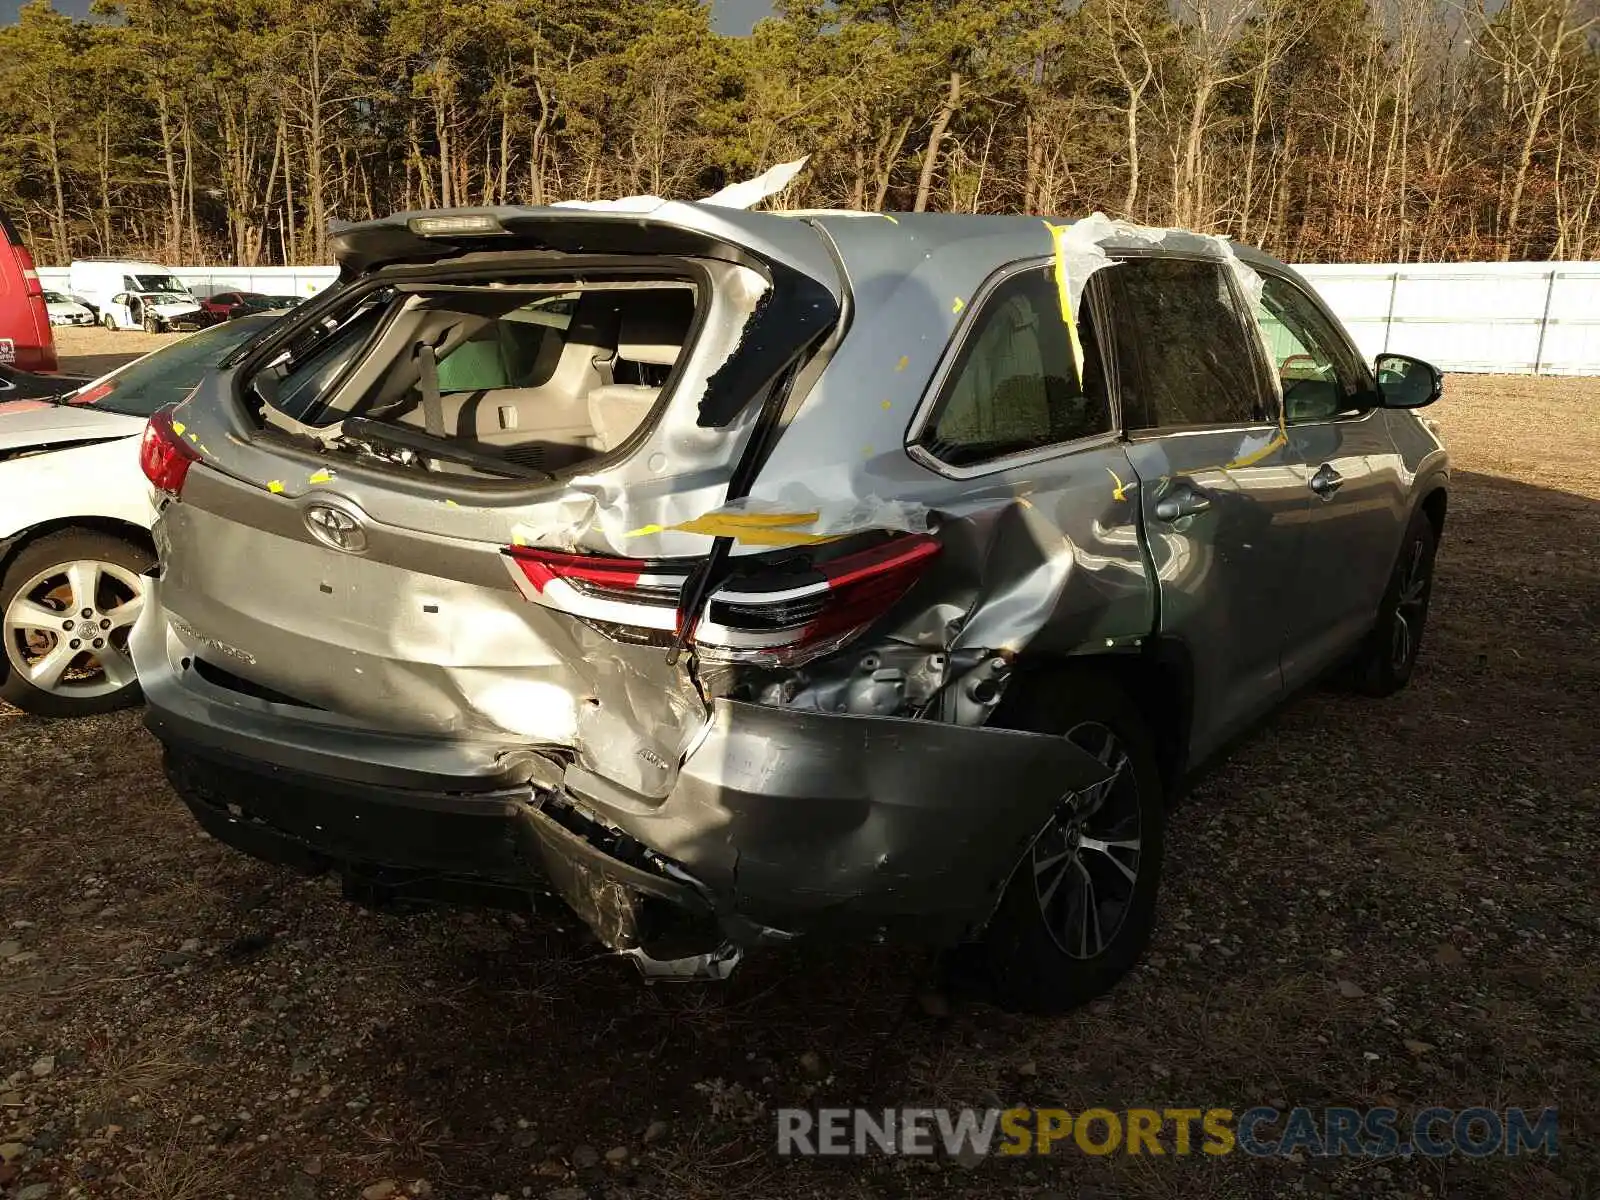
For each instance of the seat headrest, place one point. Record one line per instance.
(654, 326)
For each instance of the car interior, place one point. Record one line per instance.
(545, 378)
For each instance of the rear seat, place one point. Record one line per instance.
(650, 337)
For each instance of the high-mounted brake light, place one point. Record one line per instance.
(778, 611)
(478, 224)
(93, 395)
(164, 456)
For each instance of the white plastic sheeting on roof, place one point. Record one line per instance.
(745, 194)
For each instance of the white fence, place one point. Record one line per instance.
(1516, 318)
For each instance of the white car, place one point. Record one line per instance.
(64, 310)
(75, 526)
(136, 295)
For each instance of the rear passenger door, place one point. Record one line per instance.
(1354, 486)
(1221, 502)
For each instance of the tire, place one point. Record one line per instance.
(54, 576)
(110, 322)
(1038, 953)
(1386, 660)
(152, 324)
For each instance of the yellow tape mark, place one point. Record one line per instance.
(451, 504)
(754, 529)
(958, 305)
(322, 476)
(1255, 456)
(1120, 491)
(195, 438)
(203, 449)
(905, 361)
(1058, 242)
(275, 486)
(888, 218)
(761, 537)
(887, 406)
(178, 427)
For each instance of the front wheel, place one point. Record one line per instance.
(1386, 660)
(152, 324)
(67, 605)
(1080, 906)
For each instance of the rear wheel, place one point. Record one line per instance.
(1384, 664)
(67, 605)
(109, 321)
(1079, 908)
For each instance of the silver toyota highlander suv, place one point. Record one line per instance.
(735, 576)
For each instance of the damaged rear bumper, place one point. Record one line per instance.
(781, 822)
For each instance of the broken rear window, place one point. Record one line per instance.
(544, 375)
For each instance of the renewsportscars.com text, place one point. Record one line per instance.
(1260, 1131)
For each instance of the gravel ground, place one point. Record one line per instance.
(91, 350)
(1368, 903)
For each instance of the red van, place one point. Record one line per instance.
(25, 338)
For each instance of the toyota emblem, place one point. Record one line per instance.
(336, 527)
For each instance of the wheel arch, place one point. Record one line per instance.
(1435, 502)
(1158, 678)
(128, 531)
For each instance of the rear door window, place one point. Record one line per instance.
(1015, 385)
(1185, 354)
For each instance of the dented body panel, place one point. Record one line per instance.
(651, 743)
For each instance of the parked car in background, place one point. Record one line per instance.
(280, 303)
(25, 338)
(64, 310)
(74, 525)
(227, 305)
(28, 385)
(736, 576)
(135, 295)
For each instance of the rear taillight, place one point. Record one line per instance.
(773, 611)
(626, 591)
(785, 621)
(163, 454)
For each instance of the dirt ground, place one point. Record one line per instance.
(91, 350)
(1371, 902)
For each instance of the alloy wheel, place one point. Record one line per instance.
(1086, 861)
(1411, 607)
(66, 630)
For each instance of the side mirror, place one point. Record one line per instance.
(1406, 382)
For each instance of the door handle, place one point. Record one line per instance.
(1326, 481)
(1182, 501)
